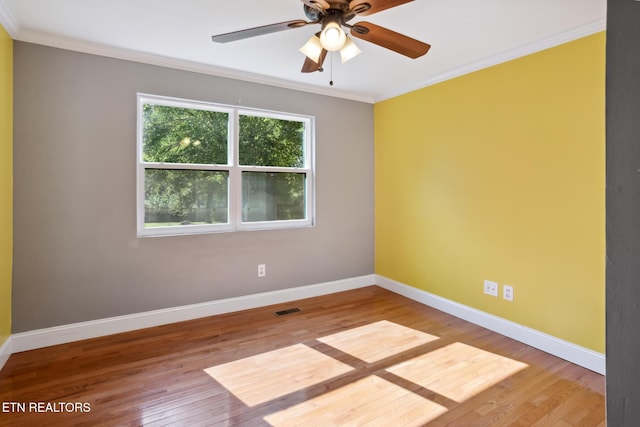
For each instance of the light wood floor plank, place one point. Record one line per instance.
(369, 401)
(377, 341)
(267, 376)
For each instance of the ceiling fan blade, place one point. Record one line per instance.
(310, 65)
(258, 31)
(369, 7)
(386, 38)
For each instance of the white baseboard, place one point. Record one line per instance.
(24, 341)
(5, 351)
(560, 348)
(96, 328)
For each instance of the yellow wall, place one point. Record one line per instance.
(6, 181)
(499, 174)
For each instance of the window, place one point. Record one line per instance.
(206, 167)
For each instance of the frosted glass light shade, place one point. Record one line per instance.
(332, 37)
(349, 50)
(312, 49)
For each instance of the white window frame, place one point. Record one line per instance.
(233, 167)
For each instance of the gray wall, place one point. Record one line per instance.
(623, 213)
(76, 255)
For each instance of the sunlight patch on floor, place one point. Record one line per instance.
(377, 341)
(457, 371)
(369, 401)
(267, 376)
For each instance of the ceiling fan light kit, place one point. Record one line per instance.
(332, 36)
(312, 48)
(349, 51)
(332, 16)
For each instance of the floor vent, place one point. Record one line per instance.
(287, 311)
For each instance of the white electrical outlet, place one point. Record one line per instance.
(507, 292)
(491, 288)
(262, 270)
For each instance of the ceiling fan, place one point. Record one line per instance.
(332, 15)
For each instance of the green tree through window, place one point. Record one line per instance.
(266, 141)
(183, 135)
(191, 177)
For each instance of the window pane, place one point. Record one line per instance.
(185, 197)
(265, 141)
(273, 196)
(184, 135)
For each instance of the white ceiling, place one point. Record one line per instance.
(465, 35)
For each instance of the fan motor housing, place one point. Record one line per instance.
(311, 13)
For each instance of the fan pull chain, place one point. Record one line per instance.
(331, 69)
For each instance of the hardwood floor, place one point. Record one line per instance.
(361, 357)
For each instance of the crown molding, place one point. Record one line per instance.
(511, 54)
(82, 46)
(14, 30)
(8, 21)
